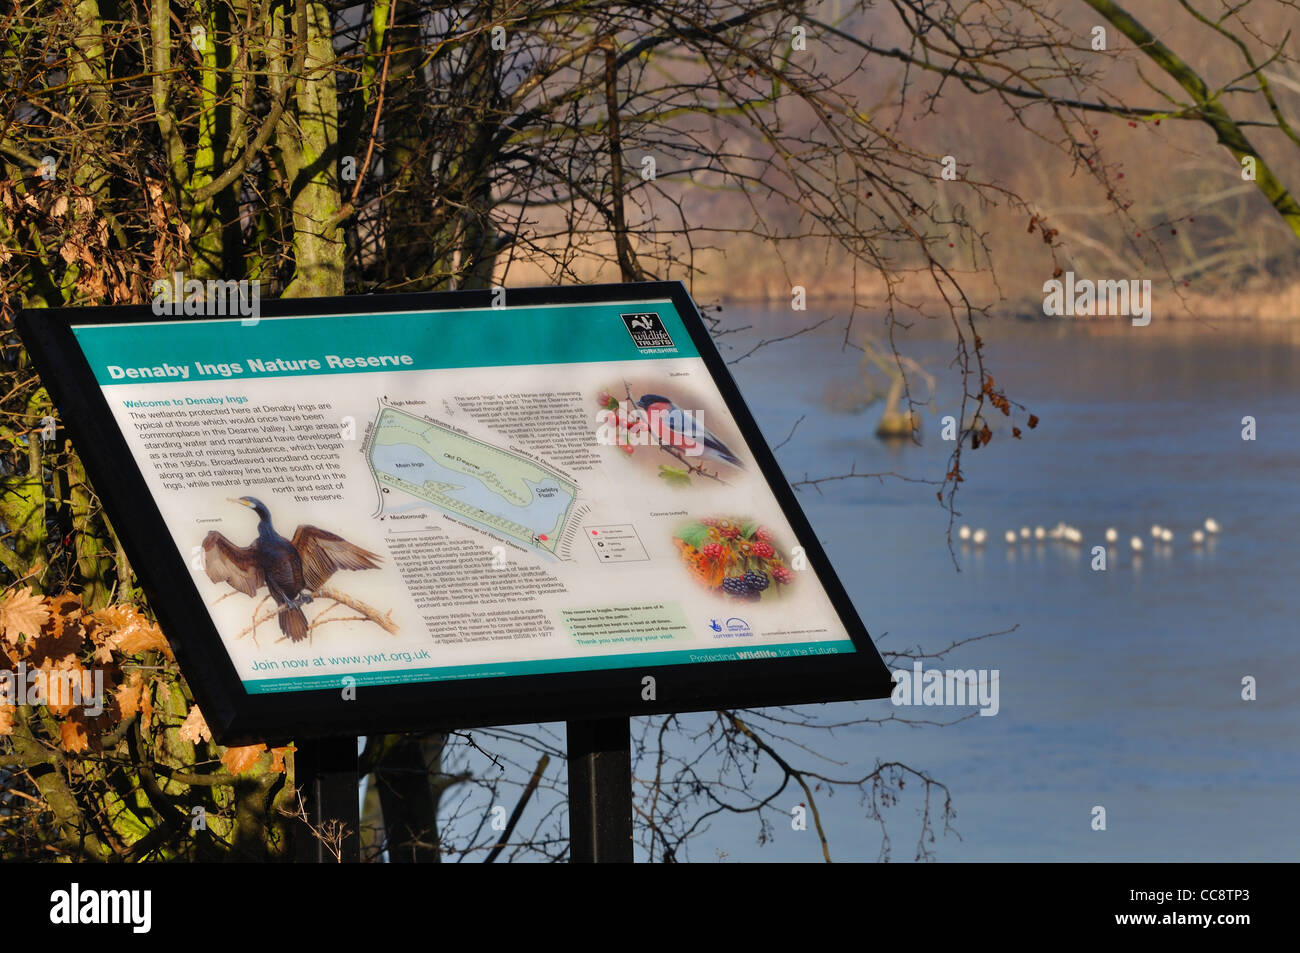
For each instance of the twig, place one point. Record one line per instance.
(519, 808)
(791, 433)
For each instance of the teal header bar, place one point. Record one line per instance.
(216, 349)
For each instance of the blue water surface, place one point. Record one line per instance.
(1120, 689)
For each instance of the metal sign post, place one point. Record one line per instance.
(600, 791)
(326, 774)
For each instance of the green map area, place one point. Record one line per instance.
(471, 479)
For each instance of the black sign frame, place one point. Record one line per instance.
(238, 717)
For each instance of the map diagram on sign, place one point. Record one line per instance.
(463, 476)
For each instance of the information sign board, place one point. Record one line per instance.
(453, 509)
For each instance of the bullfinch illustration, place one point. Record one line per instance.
(675, 427)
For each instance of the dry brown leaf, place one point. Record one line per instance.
(61, 688)
(68, 605)
(92, 285)
(117, 616)
(134, 633)
(7, 719)
(195, 729)
(62, 637)
(277, 758)
(242, 759)
(74, 736)
(23, 613)
(146, 706)
(142, 638)
(128, 695)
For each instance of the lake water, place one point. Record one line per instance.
(1119, 688)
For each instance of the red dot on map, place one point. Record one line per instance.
(542, 537)
(594, 533)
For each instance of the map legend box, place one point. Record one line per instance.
(617, 543)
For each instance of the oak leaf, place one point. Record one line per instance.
(195, 729)
(277, 758)
(128, 695)
(242, 759)
(23, 613)
(134, 633)
(61, 689)
(73, 734)
(62, 637)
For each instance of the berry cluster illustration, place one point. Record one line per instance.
(734, 556)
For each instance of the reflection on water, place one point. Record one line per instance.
(1121, 687)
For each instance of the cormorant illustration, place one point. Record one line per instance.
(291, 571)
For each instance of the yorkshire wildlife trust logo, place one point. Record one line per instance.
(951, 687)
(1086, 298)
(178, 295)
(56, 687)
(647, 329)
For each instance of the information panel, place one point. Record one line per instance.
(373, 500)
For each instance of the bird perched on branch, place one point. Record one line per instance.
(290, 571)
(673, 426)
